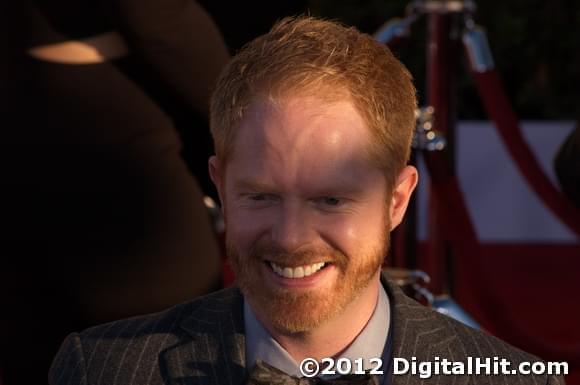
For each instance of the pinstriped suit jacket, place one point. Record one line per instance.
(203, 342)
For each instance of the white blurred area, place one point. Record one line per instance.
(501, 205)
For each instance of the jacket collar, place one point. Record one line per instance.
(214, 352)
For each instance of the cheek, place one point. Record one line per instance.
(356, 233)
(352, 235)
(244, 228)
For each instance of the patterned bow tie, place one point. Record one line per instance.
(264, 374)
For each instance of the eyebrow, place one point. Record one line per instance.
(342, 189)
(251, 184)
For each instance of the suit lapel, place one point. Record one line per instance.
(417, 332)
(213, 350)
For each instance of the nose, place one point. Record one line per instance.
(293, 228)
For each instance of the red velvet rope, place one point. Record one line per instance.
(460, 232)
(498, 108)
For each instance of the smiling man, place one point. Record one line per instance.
(312, 125)
(308, 217)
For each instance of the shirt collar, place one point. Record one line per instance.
(370, 342)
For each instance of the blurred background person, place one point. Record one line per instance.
(104, 218)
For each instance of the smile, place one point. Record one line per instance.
(297, 272)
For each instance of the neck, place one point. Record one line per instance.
(334, 336)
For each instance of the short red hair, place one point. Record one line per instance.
(304, 55)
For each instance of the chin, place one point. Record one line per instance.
(292, 313)
(301, 312)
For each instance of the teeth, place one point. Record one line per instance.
(287, 272)
(297, 272)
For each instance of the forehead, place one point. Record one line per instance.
(297, 121)
(301, 141)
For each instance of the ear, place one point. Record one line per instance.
(215, 173)
(404, 186)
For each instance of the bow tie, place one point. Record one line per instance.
(264, 374)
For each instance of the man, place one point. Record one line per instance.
(312, 125)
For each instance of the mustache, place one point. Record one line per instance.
(276, 254)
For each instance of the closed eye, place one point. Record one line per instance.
(332, 201)
(259, 198)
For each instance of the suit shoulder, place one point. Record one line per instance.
(479, 343)
(128, 350)
(427, 327)
(423, 334)
(162, 322)
(476, 343)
